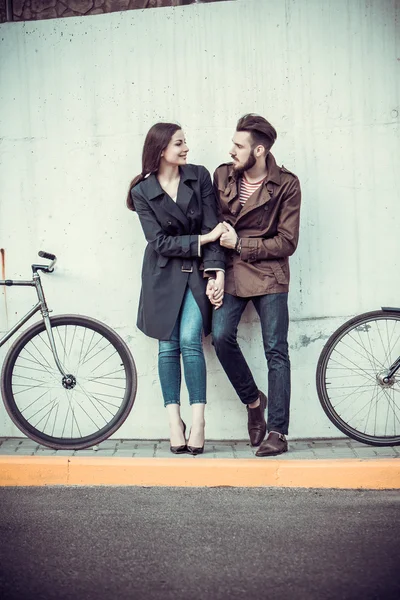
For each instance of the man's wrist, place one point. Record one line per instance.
(238, 245)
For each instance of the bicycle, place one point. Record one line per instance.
(358, 377)
(68, 381)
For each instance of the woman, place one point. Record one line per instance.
(177, 210)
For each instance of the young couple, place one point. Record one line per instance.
(209, 252)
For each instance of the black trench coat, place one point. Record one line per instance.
(171, 259)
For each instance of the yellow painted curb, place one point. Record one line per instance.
(338, 473)
(33, 470)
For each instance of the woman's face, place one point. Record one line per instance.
(176, 151)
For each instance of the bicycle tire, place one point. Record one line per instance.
(85, 399)
(352, 336)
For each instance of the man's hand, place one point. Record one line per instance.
(215, 289)
(229, 238)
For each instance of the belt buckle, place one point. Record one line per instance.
(187, 270)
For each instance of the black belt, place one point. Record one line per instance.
(187, 265)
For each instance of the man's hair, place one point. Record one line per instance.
(262, 133)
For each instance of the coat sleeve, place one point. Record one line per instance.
(213, 253)
(284, 243)
(185, 246)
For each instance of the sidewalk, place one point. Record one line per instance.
(332, 463)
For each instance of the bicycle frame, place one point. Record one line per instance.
(40, 306)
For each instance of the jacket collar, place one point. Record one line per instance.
(153, 188)
(274, 173)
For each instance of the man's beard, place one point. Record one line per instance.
(250, 162)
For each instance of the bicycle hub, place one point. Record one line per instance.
(384, 380)
(69, 382)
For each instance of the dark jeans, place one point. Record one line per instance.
(273, 312)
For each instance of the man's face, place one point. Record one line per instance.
(241, 152)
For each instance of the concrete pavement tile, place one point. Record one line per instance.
(7, 451)
(321, 444)
(343, 443)
(387, 453)
(105, 452)
(221, 451)
(128, 446)
(88, 452)
(124, 454)
(43, 451)
(108, 444)
(8, 447)
(365, 452)
(300, 445)
(291, 456)
(244, 452)
(345, 452)
(382, 449)
(145, 450)
(356, 445)
(169, 454)
(323, 453)
(299, 454)
(66, 453)
(28, 444)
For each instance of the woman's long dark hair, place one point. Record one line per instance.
(157, 139)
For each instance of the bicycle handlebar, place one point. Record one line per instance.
(51, 257)
(47, 255)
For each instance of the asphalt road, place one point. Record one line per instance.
(198, 544)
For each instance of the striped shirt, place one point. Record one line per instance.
(247, 189)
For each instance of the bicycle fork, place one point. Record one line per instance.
(68, 380)
(42, 304)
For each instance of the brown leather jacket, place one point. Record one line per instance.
(268, 225)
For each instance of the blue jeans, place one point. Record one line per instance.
(185, 339)
(273, 312)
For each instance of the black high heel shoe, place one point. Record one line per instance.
(180, 449)
(195, 449)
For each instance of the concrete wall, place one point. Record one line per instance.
(77, 97)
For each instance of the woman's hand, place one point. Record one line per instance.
(213, 235)
(215, 289)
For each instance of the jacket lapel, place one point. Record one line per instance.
(174, 209)
(184, 196)
(260, 197)
(185, 192)
(155, 193)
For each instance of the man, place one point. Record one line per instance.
(260, 205)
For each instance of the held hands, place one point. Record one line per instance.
(216, 233)
(215, 289)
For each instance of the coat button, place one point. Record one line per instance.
(192, 212)
(169, 222)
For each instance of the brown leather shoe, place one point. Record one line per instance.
(275, 444)
(256, 424)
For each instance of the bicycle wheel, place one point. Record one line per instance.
(350, 376)
(60, 414)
